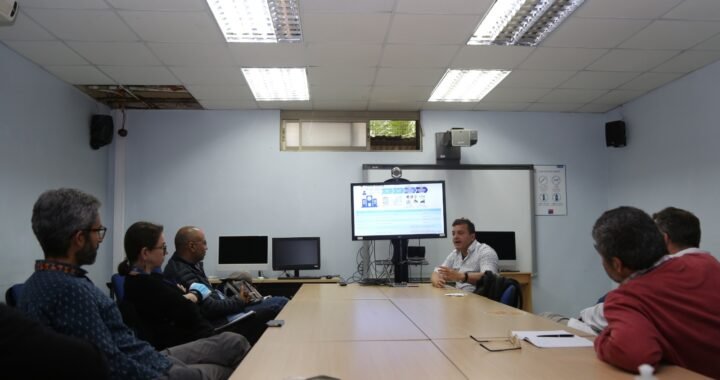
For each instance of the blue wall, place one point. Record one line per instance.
(44, 143)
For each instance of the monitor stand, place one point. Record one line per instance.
(399, 258)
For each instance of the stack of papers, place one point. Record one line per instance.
(552, 338)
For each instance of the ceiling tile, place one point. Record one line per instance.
(339, 105)
(709, 44)
(158, 5)
(139, 75)
(353, 27)
(561, 58)
(565, 95)
(596, 108)
(689, 61)
(407, 93)
(64, 4)
(425, 56)
(598, 80)
(450, 106)
(401, 77)
(24, 29)
(517, 95)
(83, 25)
(553, 107)
(228, 104)
(268, 55)
(179, 54)
(504, 106)
(490, 57)
(47, 52)
(341, 76)
(221, 92)
(536, 78)
(649, 81)
(671, 34)
(356, 55)
(696, 10)
(431, 29)
(80, 74)
(190, 75)
(464, 7)
(345, 93)
(115, 53)
(618, 97)
(631, 60)
(365, 6)
(285, 105)
(637, 9)
(593, 33)
(186, 27)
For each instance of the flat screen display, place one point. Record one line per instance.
(503, 242)
(243, 250)
(414, 209)
(295, 253)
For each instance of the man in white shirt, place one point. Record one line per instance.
(468, 261)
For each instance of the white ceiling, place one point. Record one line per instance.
(373, 54)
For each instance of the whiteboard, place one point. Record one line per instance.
(493, 197)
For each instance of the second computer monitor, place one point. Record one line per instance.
(242, 253)
(295, 253)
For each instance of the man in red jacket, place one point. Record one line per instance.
(667, 307)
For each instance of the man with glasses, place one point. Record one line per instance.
(58, 294)
(186, 267)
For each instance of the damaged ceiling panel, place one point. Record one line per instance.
(142, 97)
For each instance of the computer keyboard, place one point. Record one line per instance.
(300, 278)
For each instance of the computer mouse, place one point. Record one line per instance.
(342, 283)
(329, 276)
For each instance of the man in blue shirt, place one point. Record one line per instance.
(67, 224)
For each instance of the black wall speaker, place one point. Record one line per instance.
(615, 133)
(101, 130)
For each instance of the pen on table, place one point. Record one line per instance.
(556, 336)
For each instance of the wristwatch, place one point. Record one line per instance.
(466, 277)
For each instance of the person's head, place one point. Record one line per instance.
(66, 223)
(190, 244)
(628, 240)
(145, 247)
(680, 228)
(463, 234)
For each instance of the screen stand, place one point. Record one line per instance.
(297, 273)
(400, 248)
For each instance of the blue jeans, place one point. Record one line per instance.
(272, 304)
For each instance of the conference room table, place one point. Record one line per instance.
(415, 332)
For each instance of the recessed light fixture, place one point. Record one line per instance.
(263, 21)
(277, 84)
(466, 85)
(521, 22)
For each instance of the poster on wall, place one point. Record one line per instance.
(550, 190)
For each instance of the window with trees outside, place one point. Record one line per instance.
(350, 131)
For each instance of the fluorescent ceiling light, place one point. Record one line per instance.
(466, 85)
(277, 84)
(268, 21)
(521, 22)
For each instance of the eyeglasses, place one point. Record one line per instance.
(163, 247)
(497, 345)
(100, 231)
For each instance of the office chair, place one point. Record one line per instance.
(512, 296)
(12, 295)
(117, 287)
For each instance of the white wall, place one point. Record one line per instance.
(671, 158)
(44, 143)
(223, 171)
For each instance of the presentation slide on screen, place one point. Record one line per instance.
(398, 209)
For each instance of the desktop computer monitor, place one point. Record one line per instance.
(242, 253)
(503, 242)
(295, 253)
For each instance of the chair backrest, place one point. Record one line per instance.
(501, 289)
(117, 287)
(512, 296)
(13, 294)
